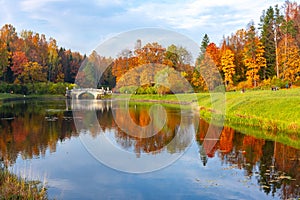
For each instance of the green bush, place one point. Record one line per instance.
(140, 90)
(151, 90)
(128, 89)
(275, 82)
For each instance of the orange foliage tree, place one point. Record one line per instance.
(228, 67)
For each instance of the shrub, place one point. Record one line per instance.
(297, 83)
(140, 90)
(265, 84)
(128, 89)
(244, 85)
(151, 90)
(275, 82)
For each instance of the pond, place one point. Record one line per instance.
(108, 149)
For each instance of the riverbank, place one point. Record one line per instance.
(277, 113)
(6, 97)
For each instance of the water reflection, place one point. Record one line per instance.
(174, 133)
(275, 166)
(30, 129)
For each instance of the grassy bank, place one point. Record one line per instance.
(7, 96)
(277, 113)
(4, 97)
(272, 110)
(14, 187)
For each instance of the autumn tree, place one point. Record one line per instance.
(32, 73)
(209, 72)
(236, 43)
(122, 65)
(202, 64)
(228, 67)
(215, 54)
(253, 56)
(8, 37)
(151, 53)
(70, 63)
(55, 73)
(289, 60)
(168, 80)
(60, 64)
(108, 79)
(293, 12)
(4, 54)
(19, 61)
(180, 58)
(197, 81)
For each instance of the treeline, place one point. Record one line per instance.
(263, 56)
(255, 57)
(29, 57)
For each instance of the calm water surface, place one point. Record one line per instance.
(40, 140)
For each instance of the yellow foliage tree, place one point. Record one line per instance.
(33, 72)
(289, 61)
(254, 60)
(228, 67)
(197, 81)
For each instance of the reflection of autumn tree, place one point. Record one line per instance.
(288, 161)
(207, 147)
(155, 142)
(28, 133)
(105, 117)
(252, 149)
(267, 172)
(226, 140)
(277, 164)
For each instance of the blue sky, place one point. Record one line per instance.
(84, 24)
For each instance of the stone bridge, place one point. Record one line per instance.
(76, 93)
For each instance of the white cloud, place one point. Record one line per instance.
(108, 2)
(35, 5)
(81, 25)
(199, 13)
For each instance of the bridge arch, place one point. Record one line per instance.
(76, 93)
(80, 94)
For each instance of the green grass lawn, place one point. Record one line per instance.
(273, 109)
